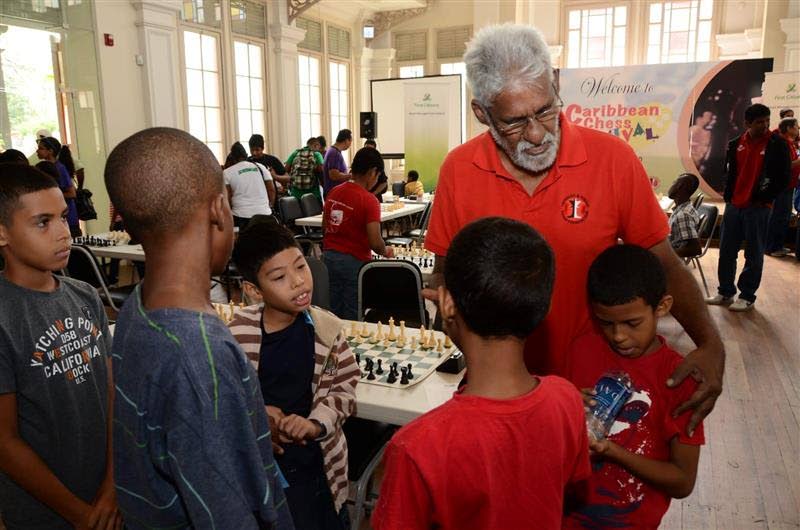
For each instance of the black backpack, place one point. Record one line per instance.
(84, 205)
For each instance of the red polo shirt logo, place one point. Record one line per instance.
(575, 209)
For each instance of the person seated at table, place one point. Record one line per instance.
(352, 224)
(648, 457)
(502, 451)
(251, 190)
(684, 221)
(413, 185)
(308, 373)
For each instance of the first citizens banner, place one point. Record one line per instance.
(677, 117)
(427, 117)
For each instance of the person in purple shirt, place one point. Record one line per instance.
(47, 150)
(334, 168)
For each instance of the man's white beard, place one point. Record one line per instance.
(533, 163)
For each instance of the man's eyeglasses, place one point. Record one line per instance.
(545, 117)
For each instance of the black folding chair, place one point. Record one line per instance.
(391, 288)
(399, 189)
(310, 205)
(705, 231)
(321, 296)
(83, 266)
(290, 210)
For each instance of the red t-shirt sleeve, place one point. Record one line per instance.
(642, 222)
(372, 210)
(404, 502)
(677, 426)
(443, 224)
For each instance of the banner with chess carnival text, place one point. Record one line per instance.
(677, 117)
(781, 91)
(427, 117)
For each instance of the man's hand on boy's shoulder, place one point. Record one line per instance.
(706, 365)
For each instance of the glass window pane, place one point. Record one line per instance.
(620, 15)
(245, 128)
(704, 32)
(256, 69)
(305, 99)
(334, 101)
(574, 19)
(619, 37)
(678, 42)
(313, 74)
(703, 51)
(209, 45)
(256, 94)
(706, 9)
(191, 49)
(680, 20)
(652, 55)
(194, 87)
(655, 12)
(213, 125)
(334, 75)
(654, 34)
(241, 59)
(316, 128)
(257, 119)
(597, 26)
(242, 92)
(216, 148)
(211, 89)
(343, 77)
(315, 100)
(303, 70)
(619, 57)
(197, 123)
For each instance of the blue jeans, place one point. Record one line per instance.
(343, 273)
(779, 221)
(742, 224)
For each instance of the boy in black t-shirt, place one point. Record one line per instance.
(55, 377)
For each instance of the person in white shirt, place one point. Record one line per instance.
(251, 189)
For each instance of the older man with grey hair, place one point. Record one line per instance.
(581, 189)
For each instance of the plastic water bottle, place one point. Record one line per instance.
(612, 392)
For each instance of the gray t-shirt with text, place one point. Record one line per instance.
(53, 351)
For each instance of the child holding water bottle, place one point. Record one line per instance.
(643, 458)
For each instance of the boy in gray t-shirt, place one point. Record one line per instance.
(54, 369)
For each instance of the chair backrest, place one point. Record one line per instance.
(698, 200)
(83, 266)
(391, 288)
(290, 209)
(426, 216)
(321, 296)
(708, 222)
(399, 188)
(310, 204)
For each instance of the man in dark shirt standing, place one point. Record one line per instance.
(758, 170)
(382, 185)
(272, 163)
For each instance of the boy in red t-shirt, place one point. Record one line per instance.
(502, 451)
(647, 458)
(351, 220)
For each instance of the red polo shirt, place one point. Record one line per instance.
(749, 161)
(597, 191)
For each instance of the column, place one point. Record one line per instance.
(157, 21)
(284, 101)
(772, 40)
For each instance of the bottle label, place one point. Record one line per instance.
(611, 396)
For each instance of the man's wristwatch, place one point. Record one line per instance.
(323, 432)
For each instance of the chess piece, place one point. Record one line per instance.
(408, 371)
(392, 377)
(429, 340)
(379, 336)
(386, 342)
(447, 342)
(370, 375)
(413, 343)
(379, 371)
(392, 336)
(358, 359)
(373, 339)
(439, 345)
(403, 329)
(353, 330)
(401, 341)
(403, 376)
(364, 331)
(422, 335)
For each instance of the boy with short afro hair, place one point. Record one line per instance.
(684, 221)
(502, 451)
(307, 371)
(647, 458)
(191, 440)
(55, 382)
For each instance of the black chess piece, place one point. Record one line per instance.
(379, 371)
(358, 359)
(403, 376)
(408, 372)
(371, 375)
(391, 378)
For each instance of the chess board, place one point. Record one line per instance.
(423, 360)
(106, 239)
